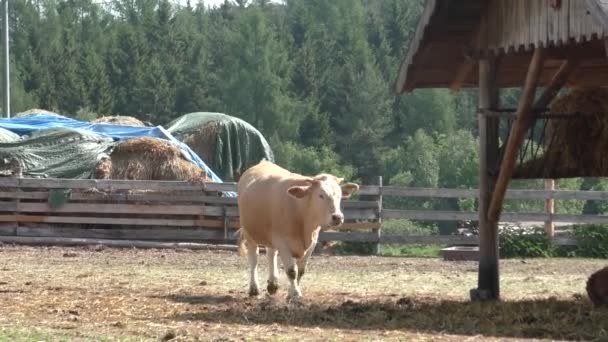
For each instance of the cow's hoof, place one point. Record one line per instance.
(272, 287)
(254, 292)
(294, 294)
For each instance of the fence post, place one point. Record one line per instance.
(550, 208)
(377, 231)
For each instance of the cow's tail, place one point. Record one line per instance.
(242, 241)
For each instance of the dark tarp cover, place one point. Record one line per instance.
(238, 145)
(57, 152)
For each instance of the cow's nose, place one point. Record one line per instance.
(337, 219)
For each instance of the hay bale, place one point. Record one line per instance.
(7, 136)
(203, 141)
(34, 112)
(583, 140)
(148, 159)
(576, 147)
(120, 120)
(597, 287)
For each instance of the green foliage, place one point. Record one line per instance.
(592, 241)
(407, 227)
(523, 242)
(412, 251)
(309, 160)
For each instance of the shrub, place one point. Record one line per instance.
(523, 242)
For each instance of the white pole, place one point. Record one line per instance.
(7, 84)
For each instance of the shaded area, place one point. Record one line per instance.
(551, 318)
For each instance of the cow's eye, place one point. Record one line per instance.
(321, 197)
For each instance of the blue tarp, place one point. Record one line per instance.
(27, 125)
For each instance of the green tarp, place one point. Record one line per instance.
(56, 152)
(236, 146)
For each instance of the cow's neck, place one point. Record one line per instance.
(310, 225)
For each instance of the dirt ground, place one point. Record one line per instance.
(126, 294)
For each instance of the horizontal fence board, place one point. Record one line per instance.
(428, 215)
(348, 236)
(369, 190)
(59, 241)
(100, 184)
(103, 208)
(427, 240)
(8, 206)
(120, 221)
(129, 234)
(428, 192)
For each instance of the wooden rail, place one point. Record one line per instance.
(168, 211)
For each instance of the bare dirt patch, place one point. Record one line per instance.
(86, 293)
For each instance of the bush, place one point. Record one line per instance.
(592, 241)
(519, 242)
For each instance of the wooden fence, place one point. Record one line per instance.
(39, 210)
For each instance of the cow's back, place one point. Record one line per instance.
(264, 202)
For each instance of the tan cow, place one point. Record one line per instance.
(285, 211)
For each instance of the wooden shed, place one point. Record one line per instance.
(494, 44)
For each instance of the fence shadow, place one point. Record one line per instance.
(543, 318)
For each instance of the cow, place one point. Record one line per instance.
(597, 287)
(284, 212)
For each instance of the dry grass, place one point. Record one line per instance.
(148, 159)
(92, 294)
(203, 141)
(120, 120)
(576, 146)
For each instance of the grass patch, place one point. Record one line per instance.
(415, 251)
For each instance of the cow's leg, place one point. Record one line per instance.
(303, 261)
(291, 268)
(273, 271)
(252, 256)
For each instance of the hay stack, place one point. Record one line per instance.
(576, 147)
(203, 141)
(583, 141)
(35, 111)
(120, 120)
(148, 159)
(7, 136)
(597, 287)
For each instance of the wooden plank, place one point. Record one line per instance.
(428, 215)
(369, 190)
(428, 192)
(8, 218)
(207, 223)
(517, 135)
(56, 183)
(557, 83)
(8, 206)
(8, 229)
(359, 225)
(56, 241)
(160, 234)
(348, 236)
(428, 240)
(123, 208)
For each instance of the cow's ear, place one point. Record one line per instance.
(349, 189)
(298, 191)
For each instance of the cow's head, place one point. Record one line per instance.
(324, 193)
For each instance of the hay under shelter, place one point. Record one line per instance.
(120, 120)
(575, 144)
(148, 158)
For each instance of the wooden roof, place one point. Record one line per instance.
(452, 34)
